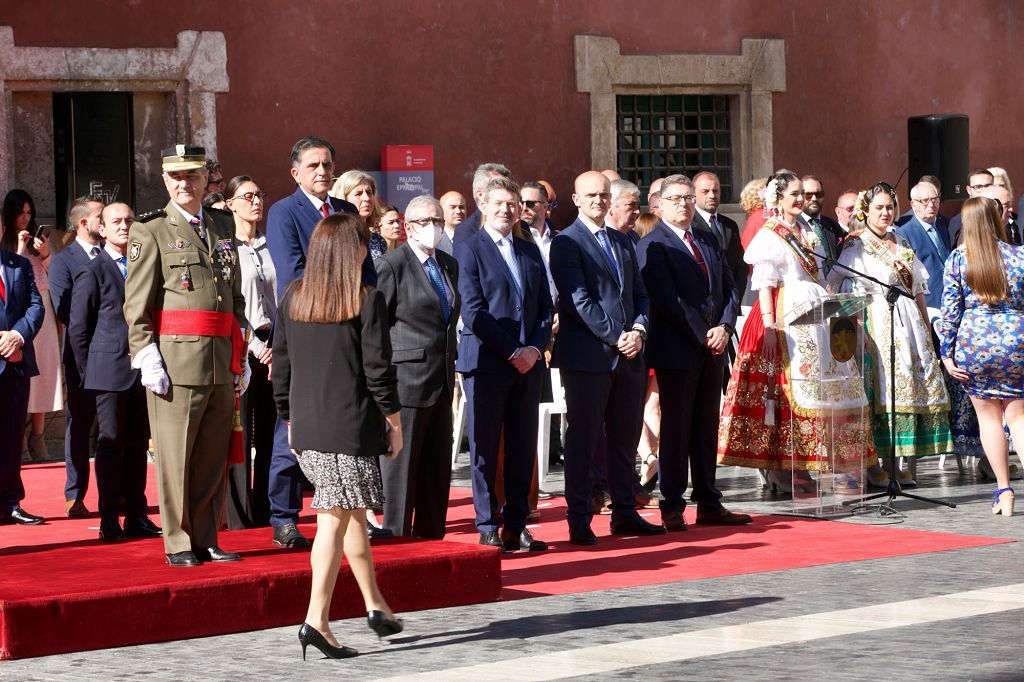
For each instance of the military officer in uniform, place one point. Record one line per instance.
(185, 314)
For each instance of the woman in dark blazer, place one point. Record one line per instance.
(335, 387)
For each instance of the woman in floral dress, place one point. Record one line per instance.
(922, 404)
(982, 333)
(773, 417)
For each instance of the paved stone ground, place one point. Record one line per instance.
(955, 648)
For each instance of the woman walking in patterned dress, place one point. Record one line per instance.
(777, 405)
(922, 406)
(982, 333)
(336, 388)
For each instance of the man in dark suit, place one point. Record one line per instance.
(421, 286)
(624, 209)
(454, 206)
(86, 216)
(824, 228)
(21, 316)
(98, 336)
(506, 312)
(484, 173)
(290, 224)
(602, 312)
(693, 311)
(929, 240)
(724, 229)
(978, 180)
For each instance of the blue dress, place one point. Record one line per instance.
(987, 341)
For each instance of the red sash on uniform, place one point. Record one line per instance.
(203, 323)
(211, 323)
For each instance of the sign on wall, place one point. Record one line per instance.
(408, 172)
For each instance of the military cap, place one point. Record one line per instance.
(181, 157)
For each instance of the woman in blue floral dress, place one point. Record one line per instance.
(982, 333)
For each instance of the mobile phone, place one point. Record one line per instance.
(40, 229)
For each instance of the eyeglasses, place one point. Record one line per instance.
(423, 222)
(848, 209)
(977, 187)
(814, 195)
(531, 204)
(680, 198)
(215, 181)
(250, 196)
(928, 200)
(553, 204)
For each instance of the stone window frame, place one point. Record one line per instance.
(749, 79)
(194, 72)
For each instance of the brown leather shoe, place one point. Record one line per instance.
(674, 521)
(76, 509)
(722, 517)
(602, 503)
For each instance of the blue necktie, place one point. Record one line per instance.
(505, 246)
(122, 265)
(434, 275)
(606, 245)
(937, 240)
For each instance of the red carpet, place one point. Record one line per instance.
(770, 543)
(62, 590)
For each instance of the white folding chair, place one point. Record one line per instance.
(545, 412)
(459, 422)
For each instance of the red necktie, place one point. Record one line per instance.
(696, 253)
(324, 210)
(3, 291)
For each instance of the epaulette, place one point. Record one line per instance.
(146, 217)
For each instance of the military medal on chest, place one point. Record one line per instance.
(225, 258)
(186, 278)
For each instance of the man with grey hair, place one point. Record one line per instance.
(931, 243)
(421, 286)
(483, 174)
(625, 208)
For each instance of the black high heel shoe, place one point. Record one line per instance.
(384, 627)
(310, 635)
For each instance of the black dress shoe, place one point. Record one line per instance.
(182, 559)
(141, 527)
(582, 535)
(289, 536)
(375, 533)
(513, 542)
(721, 517)
(491, 538)
(674, 521)
(216, 554)
(20, 516)
(110, 530)
(633, 524)
(544, 495)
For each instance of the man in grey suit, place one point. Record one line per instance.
(421, 286)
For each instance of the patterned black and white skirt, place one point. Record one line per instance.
(343, 481)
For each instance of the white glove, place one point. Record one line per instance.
(154, 377)
(242, 382)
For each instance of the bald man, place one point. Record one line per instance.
(453, 205)
(654, 197)
(602, 311)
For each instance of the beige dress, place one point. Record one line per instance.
(45, 389)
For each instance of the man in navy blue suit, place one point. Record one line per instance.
(85, 215)
(693, 310)
(602, 313)
(290, 224)
(21, 315)
(98, 336)
(927, 237)
(506, 310)
(484, 173)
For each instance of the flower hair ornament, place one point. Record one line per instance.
(772, 193)
(860, 207)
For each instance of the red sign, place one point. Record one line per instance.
(403, 157)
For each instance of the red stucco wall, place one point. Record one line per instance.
(484, 81)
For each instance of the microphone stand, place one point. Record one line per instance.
(892, 294)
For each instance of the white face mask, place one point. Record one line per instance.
(428, 237)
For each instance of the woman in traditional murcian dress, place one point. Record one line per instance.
(789, 407)
(922, 404)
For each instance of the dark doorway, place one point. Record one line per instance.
(93, 148)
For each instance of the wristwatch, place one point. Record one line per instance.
(642, 332)
(728, 328)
